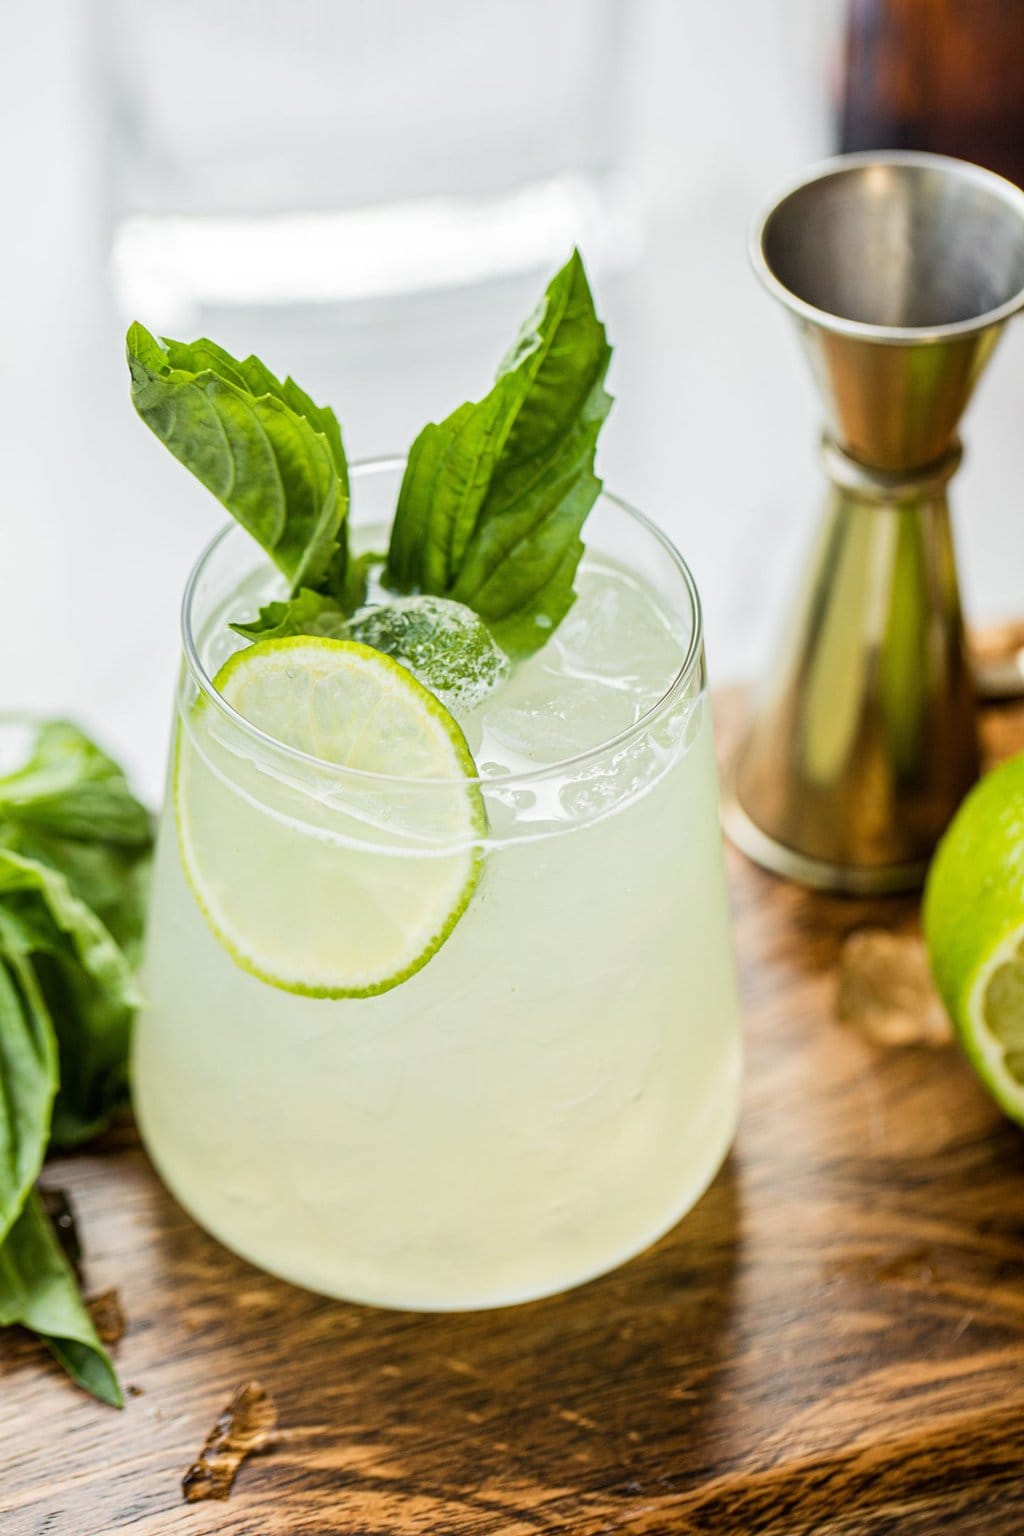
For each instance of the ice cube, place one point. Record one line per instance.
(614, 632)
(537, 719)
(443, 643)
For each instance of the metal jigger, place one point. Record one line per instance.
(900, 271)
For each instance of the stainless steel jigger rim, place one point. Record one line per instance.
(890, 335)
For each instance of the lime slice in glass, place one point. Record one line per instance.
(974, 928)
(317, 882)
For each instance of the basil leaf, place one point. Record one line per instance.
(70, 788)
(69, 806)
(113, 881)
(38, 1290)
(357, 579)
(520, 566)
(314, 613)
(74, 843)
(271, 456)
(28, 1082)
(449, 471)
(494, 497)
(307, 613)
(253, 376)
(86, 984)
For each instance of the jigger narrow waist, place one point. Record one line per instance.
(888, 486)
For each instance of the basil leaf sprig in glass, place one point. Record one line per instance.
(491, 506)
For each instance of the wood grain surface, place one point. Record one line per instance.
(832, 1342)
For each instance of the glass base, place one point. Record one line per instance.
(399, 1291)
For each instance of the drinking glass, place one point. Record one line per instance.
(559, 1082)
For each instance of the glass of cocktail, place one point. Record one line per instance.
(441, 1000)
(558, 1083)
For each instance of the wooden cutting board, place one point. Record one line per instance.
(832, 1342)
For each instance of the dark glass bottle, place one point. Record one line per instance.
(941, 75)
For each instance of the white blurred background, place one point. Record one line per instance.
(371, 194)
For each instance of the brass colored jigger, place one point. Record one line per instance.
(900, 271)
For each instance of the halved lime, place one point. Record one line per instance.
(974, 928)
(317, 883)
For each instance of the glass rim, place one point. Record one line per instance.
(383, 464)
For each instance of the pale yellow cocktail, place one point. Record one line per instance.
(559, 1082)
